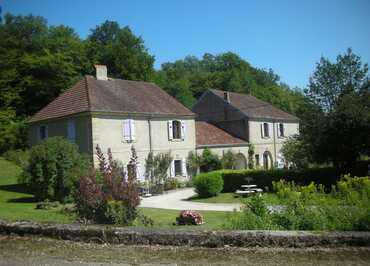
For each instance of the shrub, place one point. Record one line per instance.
(19, 157)
(113, 200)
(228, 160)
(327, 176)
(189, 218)
(347, 207)
(54, 167)
(208, 184)
(170, 184)
(209, 161)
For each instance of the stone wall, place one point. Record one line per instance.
(186, 237)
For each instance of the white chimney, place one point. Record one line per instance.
(101, 72)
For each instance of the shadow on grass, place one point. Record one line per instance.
(19, 188)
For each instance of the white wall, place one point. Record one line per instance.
(108, 133)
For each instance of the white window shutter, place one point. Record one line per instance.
(183, 168)
(172, 169)
(132, 129)
(278, 130)
(183, 130)
(170, 132)
(126, 130)
(262, 131)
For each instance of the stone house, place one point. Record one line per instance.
(250, 120)
(119, 114)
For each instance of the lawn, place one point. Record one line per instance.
(16, 203)
(270, 198)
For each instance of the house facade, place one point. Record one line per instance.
(251, 120)
(119, 114)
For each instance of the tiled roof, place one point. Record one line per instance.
(255, 108)
(112, 95)
(208, 135)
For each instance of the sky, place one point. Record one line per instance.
(286, 36)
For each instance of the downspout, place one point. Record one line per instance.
(273, 132)
(150, 135)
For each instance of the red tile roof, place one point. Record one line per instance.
(208, 135)
(112, 95)
(255, 108)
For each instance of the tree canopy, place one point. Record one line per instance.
(187, 79)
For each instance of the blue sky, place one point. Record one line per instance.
(287, 36)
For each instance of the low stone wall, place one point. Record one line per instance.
(185, 237)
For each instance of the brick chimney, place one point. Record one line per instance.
(101, 72)
(227, 96)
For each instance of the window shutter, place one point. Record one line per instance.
(183, 168)
(278, 130)
(71, 131)
(170, 132)
(172, 169)
(183, 130)
(262, 131)
(132, 129)
(126, 130)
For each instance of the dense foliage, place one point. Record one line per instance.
(208, 184)
(347, 207)
(326, 176)
(188, 78)
(335, 119)
(109, 195)
(54, 167)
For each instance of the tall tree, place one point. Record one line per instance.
(122, 51)
(336, 117)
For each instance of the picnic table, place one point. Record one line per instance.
(248, 190)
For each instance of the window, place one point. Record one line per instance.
(128, 130)
(43, 133)
(71, 131)
(178, 167)
(265, 130)
(176, 129)
(281, 130)
(257, 159)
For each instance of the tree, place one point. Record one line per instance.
(187, 79)
(295, 151)
(209, 161)
(124, 53)
(335, 120)
(228, 160)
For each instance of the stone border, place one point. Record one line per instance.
(186, 237)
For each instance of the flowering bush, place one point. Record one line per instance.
(115, 198)
(189, 218)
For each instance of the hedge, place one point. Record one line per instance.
(328, 176)
(208, 184)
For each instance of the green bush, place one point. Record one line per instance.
(346, 208)
(170, 184)
(54, 168)
(19, 157)
(208, 184)
(327, 176)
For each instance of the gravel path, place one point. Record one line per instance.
(176, 200)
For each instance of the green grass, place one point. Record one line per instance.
(18, 204)
(232, 198)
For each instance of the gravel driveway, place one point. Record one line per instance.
(177, 200)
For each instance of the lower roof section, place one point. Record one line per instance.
(209, 135)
